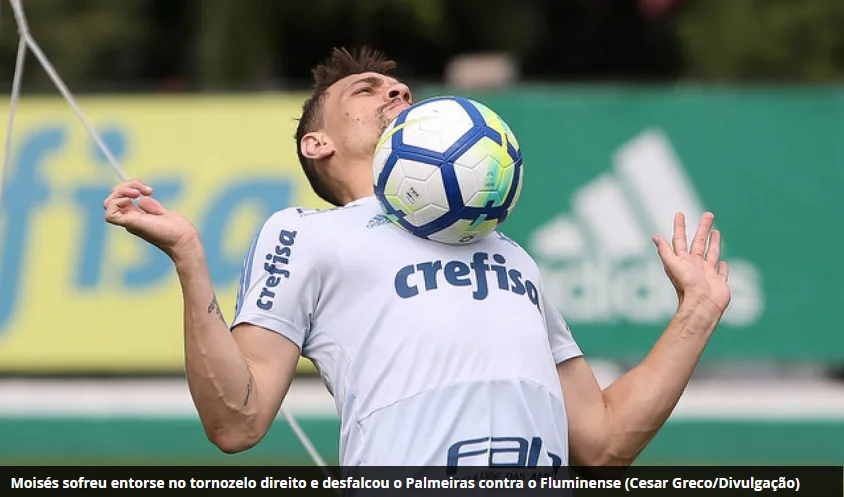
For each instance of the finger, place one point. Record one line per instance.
(122, 203)
(151, 206)
(127, 191)
(663, 248)
(713, 254)
(121, 192)
(117, 209)
(679, 233)
(702, 234)
(137, 185)
(723, 270)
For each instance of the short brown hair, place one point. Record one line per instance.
(340, 64)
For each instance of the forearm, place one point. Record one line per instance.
(640, 402)
(218, 374)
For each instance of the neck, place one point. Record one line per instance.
(355, 183)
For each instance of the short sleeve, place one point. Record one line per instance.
(563, 345)
(279, 281)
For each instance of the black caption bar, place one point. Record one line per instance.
(395, 481)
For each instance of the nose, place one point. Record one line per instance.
(400, 90)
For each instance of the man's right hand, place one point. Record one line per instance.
(149, 220)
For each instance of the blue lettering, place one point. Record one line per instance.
(455, 273)
(89, 265)
(275, 268)
(532, 293)
(516, 277)
(265, 305)
(281, 255)
(268, 195)
(527, 453)
(500, 271)
(88, 199)
(535, 451)
(404, 290)
(429, 271)
(454, 453)
(474, 275)
(480, 269)
(24, 191)
(520, 449)
(286, 238)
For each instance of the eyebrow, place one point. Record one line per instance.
(371, 80)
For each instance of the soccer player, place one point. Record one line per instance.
(436, 355)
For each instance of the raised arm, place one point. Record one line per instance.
(613, 426)
(237, 379)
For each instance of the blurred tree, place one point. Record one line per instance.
(784, 40)
(254, 42)
(122, 45)
(88, 41)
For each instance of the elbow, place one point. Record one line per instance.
(233, 441)
(602, 467)
(612, 461)
(603, 461)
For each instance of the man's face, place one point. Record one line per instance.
(358, 108)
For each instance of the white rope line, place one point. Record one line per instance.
(26, 40)
(57, 80)
(294, 425)
(13, 104)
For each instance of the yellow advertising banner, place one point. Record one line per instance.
(80, 295)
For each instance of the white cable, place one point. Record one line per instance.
(294, 425)
(27, 40)
(13, 104)
(57, 80)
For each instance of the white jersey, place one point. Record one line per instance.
(436, 355)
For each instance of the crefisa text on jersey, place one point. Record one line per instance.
(428, 275)
(275, 267)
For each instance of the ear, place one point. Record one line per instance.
(316, 146)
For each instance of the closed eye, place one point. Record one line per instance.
(365, 89)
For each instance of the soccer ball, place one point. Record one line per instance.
(448, 169)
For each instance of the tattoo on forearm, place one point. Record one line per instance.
(248, 390)
(215, 307)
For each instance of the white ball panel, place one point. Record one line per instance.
(518, 191)
(416, 170)
(436, 190)
(488, 174)
(480, 199)
(393, 182)
(413, 193)
(477, 154)
(379, 160)
(436, 125)
(466, 180)
(438, 108)
(428, 214)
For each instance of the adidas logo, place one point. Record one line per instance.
(377, 220)
(598, 263)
